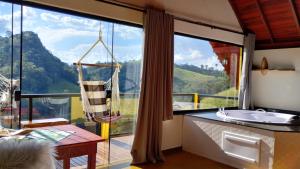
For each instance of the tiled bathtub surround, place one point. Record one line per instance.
(204, 137)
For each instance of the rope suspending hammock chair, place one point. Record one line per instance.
(100, 105)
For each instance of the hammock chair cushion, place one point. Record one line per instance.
(96, 94)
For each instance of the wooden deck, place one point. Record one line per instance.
(119, 152)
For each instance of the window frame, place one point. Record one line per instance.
(70, 12)
(182, 112)
(60, 10)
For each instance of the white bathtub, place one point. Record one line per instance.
(258, 116)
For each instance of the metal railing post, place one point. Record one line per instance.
(30, 109)
(195, 100)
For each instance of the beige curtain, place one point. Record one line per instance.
(245, 100)
(156, 88)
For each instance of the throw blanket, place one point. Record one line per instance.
(26, 154)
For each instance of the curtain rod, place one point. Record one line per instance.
(137, 8)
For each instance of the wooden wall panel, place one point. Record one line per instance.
(275, 22)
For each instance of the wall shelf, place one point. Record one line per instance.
(279, 70)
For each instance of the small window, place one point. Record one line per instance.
(206, 74)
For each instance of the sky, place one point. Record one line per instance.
(68, 37)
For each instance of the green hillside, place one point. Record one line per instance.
(216, 102)
(186, 81)
(189, 76)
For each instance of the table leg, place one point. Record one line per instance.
(92, 161)
(66, 163)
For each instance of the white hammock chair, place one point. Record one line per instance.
(5, 93)
(96, 106)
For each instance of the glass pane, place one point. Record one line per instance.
(9, 63)
(206, 74)
(128, 49)
(52, 42)
(51, 107)
(16, 63)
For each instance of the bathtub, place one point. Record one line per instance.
(259, 117)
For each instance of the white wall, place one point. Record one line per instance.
(172, 133)
(197, 10)
(207, 32)
(277, 89)
(204, 137)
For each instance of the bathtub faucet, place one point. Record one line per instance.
(222, 110)
(262, 110)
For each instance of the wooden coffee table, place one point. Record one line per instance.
(79, 143)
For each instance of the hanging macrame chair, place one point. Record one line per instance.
(6, 85)
(96, 104)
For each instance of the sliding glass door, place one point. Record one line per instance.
(128, 47)
(51, 43)
(9, 64)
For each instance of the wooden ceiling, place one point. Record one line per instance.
(275, 22)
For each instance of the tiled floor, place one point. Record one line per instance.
(120, 158)
(119, 152)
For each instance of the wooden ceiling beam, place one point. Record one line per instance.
(277, 45)
(293, 39)
(264, 20)
(295, 14)
(236, 12)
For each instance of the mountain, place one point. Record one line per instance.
(41, 69)
(45, 73)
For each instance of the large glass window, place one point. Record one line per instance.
(9, 64)
(206, 74)
(52, 42)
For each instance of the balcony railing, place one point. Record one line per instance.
(40, 106)
(193, 98)
(68, 106)
(30, 98)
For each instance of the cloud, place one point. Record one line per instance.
(68, 37)
(29, 13)
(5, 23)
(52, 37)
(83, 32)
(29, 16)
(197, 58)
(49, 17)
(213, 62)
(188, 56)
(63, 20)
(70, 21)
(75, 53)
(99, 53)
(3, 27)
(127, 32)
